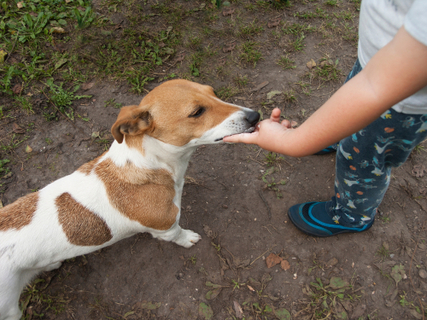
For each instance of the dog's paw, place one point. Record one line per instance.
(188, 238)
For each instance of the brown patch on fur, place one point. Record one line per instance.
(19, 213)
(88, 167)
(142, 195)
(81, 226)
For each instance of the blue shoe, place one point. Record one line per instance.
(330, 149)
(314, 219)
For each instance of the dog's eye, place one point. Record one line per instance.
(197, 113)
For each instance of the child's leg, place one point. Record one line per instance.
(363, 164)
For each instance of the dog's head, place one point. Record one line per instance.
(181, 112)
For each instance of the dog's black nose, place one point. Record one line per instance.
(252, 117)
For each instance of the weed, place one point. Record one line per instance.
(272, 185)
(62, 98)
(286, 63)
(25, 103)
(83, 19)
(225, 93)
(112, 103)
(332, 3)
(328, 70)
(298, 43)
(272, 158)
(289, 96)
(3, 169)
(419, 148)
(193, 259)
(241, 81)
(383, 252)
(250, 53)
(251, 29)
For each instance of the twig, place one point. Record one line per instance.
(13, 48)
(266, 204)
(262, 255)
(410, 278)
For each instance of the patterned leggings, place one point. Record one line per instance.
(364, 161)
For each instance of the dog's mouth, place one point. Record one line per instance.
(249, 130)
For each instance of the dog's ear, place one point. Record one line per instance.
(131, 121)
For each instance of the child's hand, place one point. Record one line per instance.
(267, 133)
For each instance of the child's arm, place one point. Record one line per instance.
(397, 71)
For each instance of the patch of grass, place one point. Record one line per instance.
(34, 294)
(298, 43)
(325, 299)
(289, 96)
(25, 103)
(251, 29)
(327, 70)
(63, 98)
(3, 169)
(251, 53)
(241, 81)
(286, 62)
(270, 182)
(225, 93)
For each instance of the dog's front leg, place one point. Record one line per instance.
(182, 237)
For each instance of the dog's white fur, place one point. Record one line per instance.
(42, 244)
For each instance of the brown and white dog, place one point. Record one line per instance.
(134, 187)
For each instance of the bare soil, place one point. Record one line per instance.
(234, 200)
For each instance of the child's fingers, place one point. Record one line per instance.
(275, 115)
(242, 137)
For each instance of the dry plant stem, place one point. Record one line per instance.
(412, 283)
(13, 48)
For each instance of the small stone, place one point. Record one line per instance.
(422, 273)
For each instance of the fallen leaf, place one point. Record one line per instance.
(87, 85)
(17, 88)
(205, 311)
(60, 63)
(282, 314)
(20, 4)
(311, 64)
(3, 54)
(272, 260)
(212, 294)
(285, 265)
(397, 273)
(208, 231)
(17, 129)
(271, 94)
(418, 170)
(229, 47)
(238, 310)
(28, 149)
(148, 305)
(273, 23)
(337, 283)
(57, 30)
(228, 12)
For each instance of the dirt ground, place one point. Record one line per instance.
(235, 196)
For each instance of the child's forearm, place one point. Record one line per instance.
(394, 73)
